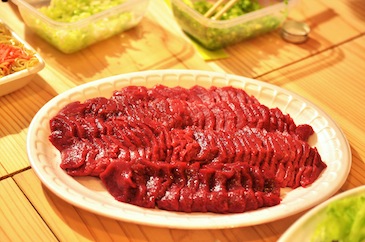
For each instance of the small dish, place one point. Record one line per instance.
(12, 82)
(295, 32)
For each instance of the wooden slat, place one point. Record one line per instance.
(327, 70)
(70, 223)
(66, 222)
(331, 23)
(17, 110)
(3, 172)
(19, 221)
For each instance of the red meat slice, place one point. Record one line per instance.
(187, 192)
(190, 188)
(277, 152)
(189, 150)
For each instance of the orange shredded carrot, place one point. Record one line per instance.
(13, 55)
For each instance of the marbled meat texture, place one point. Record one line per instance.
(197, 149)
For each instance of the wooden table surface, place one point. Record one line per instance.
(328, 70)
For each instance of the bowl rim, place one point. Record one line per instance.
(85, 21)
(311, 213)
(244, 18)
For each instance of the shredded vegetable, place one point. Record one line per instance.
(233, 26)
(344, 221)
(240, 8)
(14, 56)
(76, 24)
(69, 11)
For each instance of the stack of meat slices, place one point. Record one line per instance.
(191, 150)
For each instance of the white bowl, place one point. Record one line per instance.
(303, 228)
(14, 81)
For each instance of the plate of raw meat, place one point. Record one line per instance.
(187, 149)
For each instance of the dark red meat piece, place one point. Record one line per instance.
(219, 188)
(198, 149)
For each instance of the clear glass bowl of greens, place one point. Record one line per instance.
(246, 19)
(73, 25)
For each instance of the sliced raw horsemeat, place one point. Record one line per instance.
(219, 188)
(201, 149)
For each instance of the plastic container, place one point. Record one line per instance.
(70, 37)
(19, 79)
(214, 34)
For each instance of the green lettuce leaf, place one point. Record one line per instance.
(344, 221)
